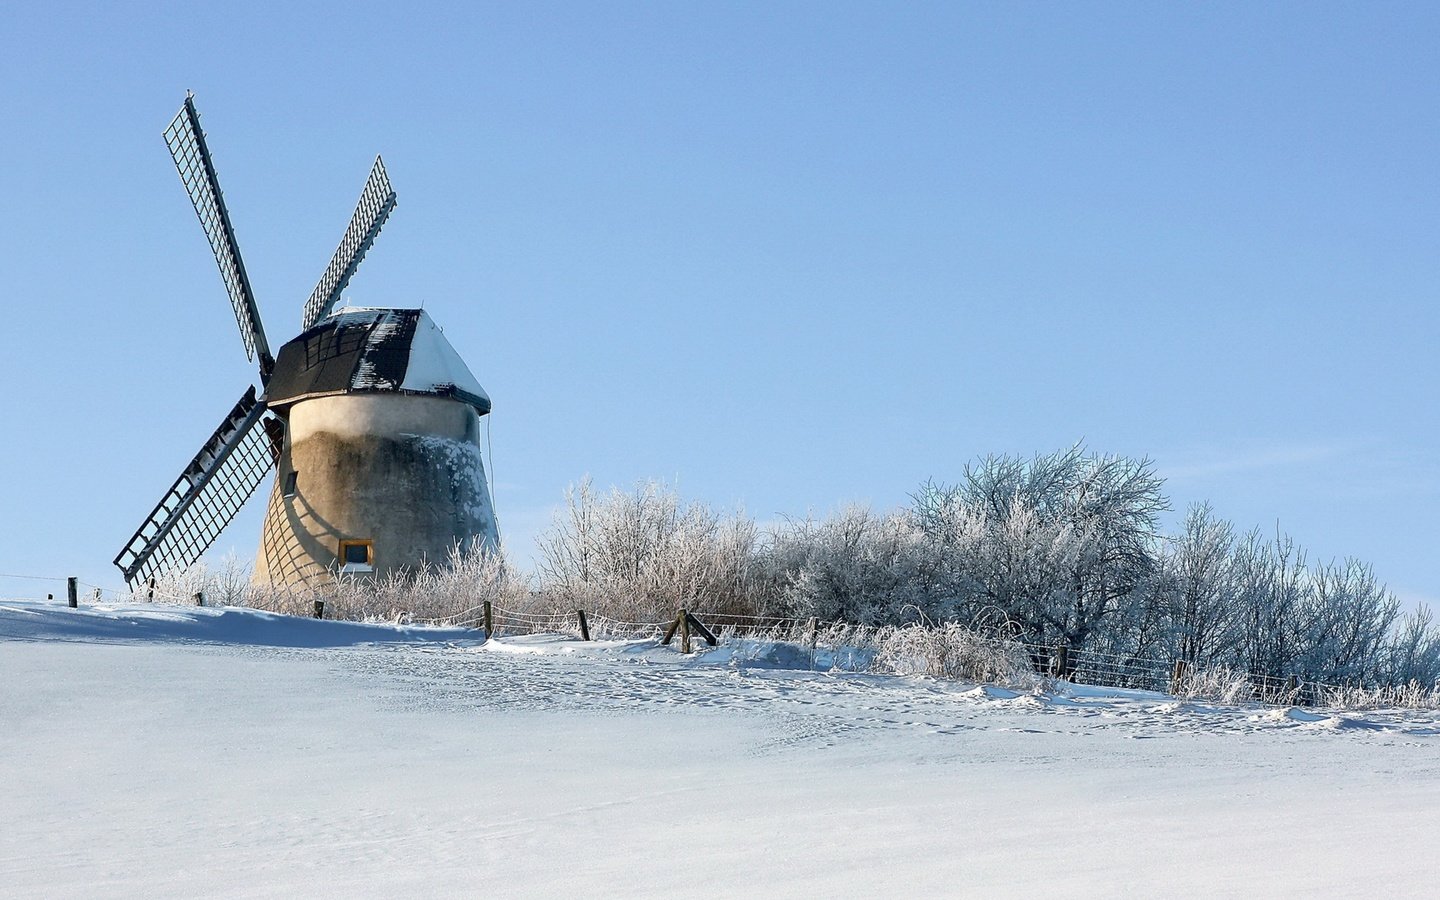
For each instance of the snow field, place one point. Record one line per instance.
(207, 752)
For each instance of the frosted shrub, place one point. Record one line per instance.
(954, 652)
(641, 555)
(448, 593)
(1217, 683)
(175, 586)
(228, 584)
(855, 566)
(1412, 695)
(1225, 685)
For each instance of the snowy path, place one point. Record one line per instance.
(177, 752)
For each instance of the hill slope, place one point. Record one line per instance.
(167, 751)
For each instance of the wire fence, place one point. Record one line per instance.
(58, 586)
(852, 647)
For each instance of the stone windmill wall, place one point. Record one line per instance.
(380, 466)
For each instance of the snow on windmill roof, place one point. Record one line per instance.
(365, 350)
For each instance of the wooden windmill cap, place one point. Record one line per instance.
(372, 350)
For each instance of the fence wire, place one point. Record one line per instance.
(853, 647)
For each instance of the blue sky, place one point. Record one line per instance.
(787, 256)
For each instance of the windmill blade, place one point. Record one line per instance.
(192, 158)
(206, 496)
(376, 201)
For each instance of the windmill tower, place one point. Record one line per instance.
(369, 416)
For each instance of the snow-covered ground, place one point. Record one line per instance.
(160, 751)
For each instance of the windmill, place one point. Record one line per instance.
(369, 417)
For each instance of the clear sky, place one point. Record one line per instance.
(786, 255)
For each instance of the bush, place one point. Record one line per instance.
(444, 593)
(954, 652)
(640, 555)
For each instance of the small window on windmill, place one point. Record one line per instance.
(356, 556)
(290, 480)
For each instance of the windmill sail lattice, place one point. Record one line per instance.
(187, 145)
(376, 202)
(206, 496)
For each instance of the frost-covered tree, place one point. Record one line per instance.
(1057, 543)
(1347, 620)
(1116, 507)
(854, 566)
(1204, 613)
(1412, 653)
(1271, 591)
(643, 553)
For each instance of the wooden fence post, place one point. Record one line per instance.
(584, 626)
(200, 598)
(699, 626)
(670, 632)
(72, 592)
(489, 623)
(1061, 664)
(319, 609)
(150, 591)
(684, 631)
(1177, 675)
